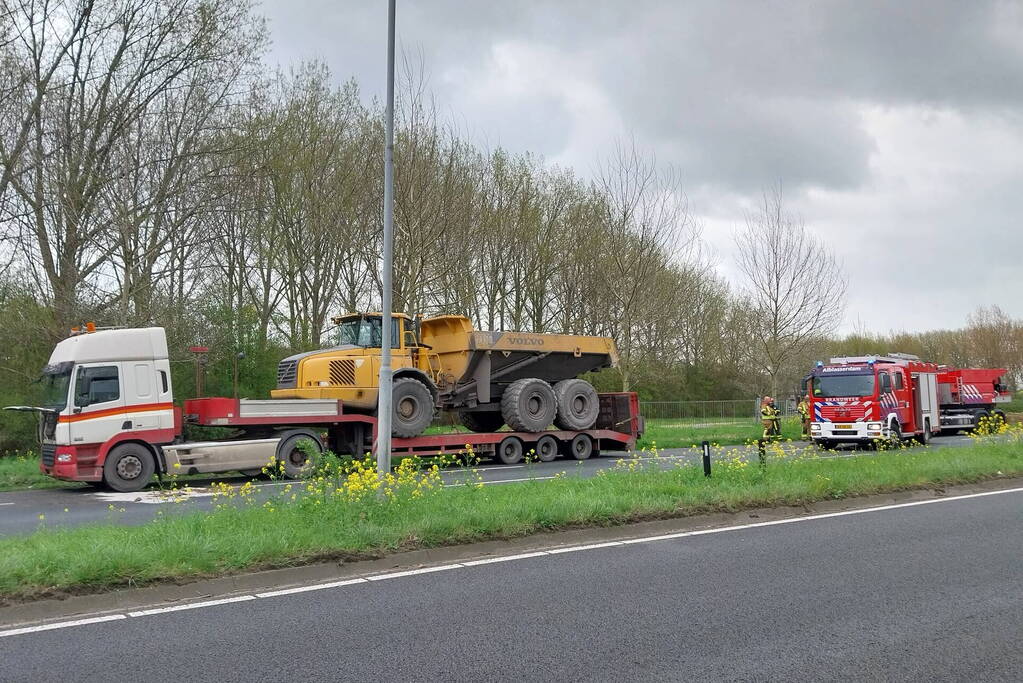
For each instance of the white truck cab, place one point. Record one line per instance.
(100, 389)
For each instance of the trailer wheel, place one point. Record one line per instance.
(529, 405)
(128, 467)
(476, 421)
(547, 448)
(509, 451)
(295, 459)
(581, 446)
(413, 408)
(578, 404)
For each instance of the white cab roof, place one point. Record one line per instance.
(144, 343)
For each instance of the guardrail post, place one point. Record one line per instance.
(706, 458)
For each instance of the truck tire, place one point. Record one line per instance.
(546, 448)
(413, 408)
(509, 451)
(924, 437)
(297, 464)
(481, 422)
(981, 415)
(529, 405)
(581, 447)
(578, 404)
(128, 467)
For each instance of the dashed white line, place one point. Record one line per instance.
(6, 503)
(490, 560)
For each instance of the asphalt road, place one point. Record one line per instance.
(20, 511)
(925, 592)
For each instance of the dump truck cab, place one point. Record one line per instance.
(350, 370)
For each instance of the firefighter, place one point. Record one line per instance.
(804, 415)
(770, 419)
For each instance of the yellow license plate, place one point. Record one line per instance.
(843, 426)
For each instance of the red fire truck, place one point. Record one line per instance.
(864, 399)
(108, 417)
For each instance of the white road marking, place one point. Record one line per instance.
(191, 605)
(6, 503)
(61, 624)
(501, 481)
(414, 572)
(492, 560)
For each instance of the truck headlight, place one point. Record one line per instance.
(874, 426)
(814, 427)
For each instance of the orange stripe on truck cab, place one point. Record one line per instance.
(141, 408)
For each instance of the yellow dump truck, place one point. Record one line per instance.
(525, 380)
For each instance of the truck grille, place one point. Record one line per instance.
(47, 451)
(342, 372)
(287, 374)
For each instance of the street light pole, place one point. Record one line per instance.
(384, 410)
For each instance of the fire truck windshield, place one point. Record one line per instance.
(843, 385)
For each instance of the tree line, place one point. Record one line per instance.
(154, 172)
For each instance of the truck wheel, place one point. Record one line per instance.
(581, 447)
(128, 467)
(925, 437)
(895, 436)
(577, 404)
(481, 422)
(509, 451)
(547, 448)
(295, 459)
(413, 408)
(529, 405)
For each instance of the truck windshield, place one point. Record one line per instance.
(366, 332)
(845, 385)
(54, 383)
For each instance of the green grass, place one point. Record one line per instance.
(21, 471)
(313, 528)
(669, 433)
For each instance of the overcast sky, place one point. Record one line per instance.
(894, 127)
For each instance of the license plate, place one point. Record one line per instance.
(843, 426)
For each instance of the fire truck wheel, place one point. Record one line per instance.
(128, 467)
(546, 448)
(895, 436)
(413, 408)
(925, 436)
(476, 421)
(509, 451)
(294, 456)
(581, 447)
(529, 405)
(824, 444)
(578, 404)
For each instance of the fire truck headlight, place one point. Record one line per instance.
(814, 427)
(874, 426)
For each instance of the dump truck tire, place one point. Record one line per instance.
(529, 405)
(578, 404)
(413, 408)
(481, 422)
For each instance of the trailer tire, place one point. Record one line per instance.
(529, 405)
(509, 451)
(546, 448)
(578, 405)
(581, 446)
(476, 421)
(128, 467)
(296, 462)
(412, 408)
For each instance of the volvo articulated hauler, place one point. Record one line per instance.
(525, 380)
(864, 399)
(109, 417)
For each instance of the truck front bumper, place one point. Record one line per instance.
(72, 463)
(847, 431)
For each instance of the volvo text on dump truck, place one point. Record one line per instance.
(108, 417)
(874, 398)
(525, 380)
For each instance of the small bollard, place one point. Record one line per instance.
(762, 452)
(706, 458)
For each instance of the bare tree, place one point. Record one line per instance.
(794, 285)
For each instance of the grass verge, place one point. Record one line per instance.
(341, 516)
